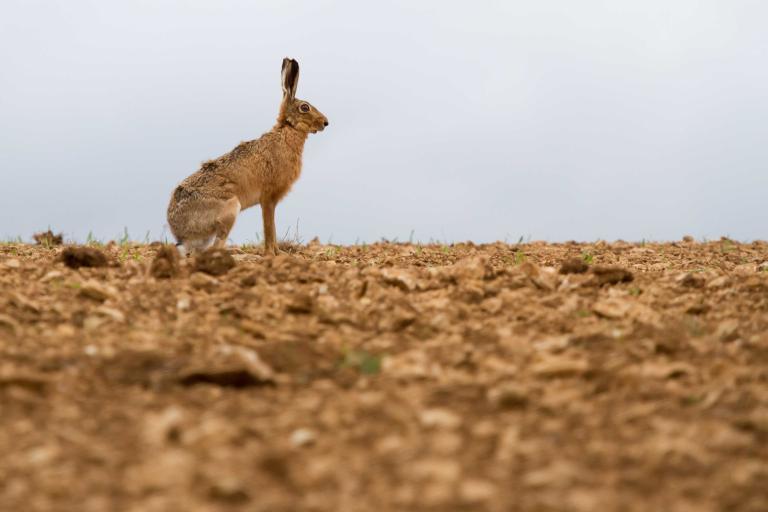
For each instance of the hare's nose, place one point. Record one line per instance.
(325, 123)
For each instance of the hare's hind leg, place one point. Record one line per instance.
(198, 224)
(195, 245)
(224, 221)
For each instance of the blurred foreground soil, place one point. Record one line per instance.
(388, 377)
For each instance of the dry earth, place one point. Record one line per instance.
(386, 377)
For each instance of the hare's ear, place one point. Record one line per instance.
(290, 77)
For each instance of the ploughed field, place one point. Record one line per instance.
(498, 377)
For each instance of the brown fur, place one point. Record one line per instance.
(205, 205)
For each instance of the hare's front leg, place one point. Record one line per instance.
(268, 215)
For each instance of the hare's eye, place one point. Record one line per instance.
(304, 108)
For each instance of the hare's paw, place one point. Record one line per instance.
(272, 250)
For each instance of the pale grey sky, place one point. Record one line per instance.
(458, 120)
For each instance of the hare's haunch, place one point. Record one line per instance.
(204, 206)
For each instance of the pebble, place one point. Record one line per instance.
(612, 308)
(12, 263)
(201, 281)
(97, 291)
(475, 490)
(302, 437)
(440, 418)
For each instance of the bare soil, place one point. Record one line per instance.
(386, 377)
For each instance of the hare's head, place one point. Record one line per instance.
(295, 112)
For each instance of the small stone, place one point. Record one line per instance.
(744, 269)
(97, 291)
(436, 469)
(553, 344)
(399, 278)
(612, 309)
(232, 367)
(160, 427)
(697, 308)
(728, 330)
(50, 276)
(111, 313)
(664, 370)
(440, 418)
(492, 305)
(688, 239)
(200, 281)
(763, 267)
(93, 322)
(508, 396)
(183, 303)
(476, 267)
(559, 366)
(446, 442)
(9, 324)
(302, 437)
(12, 263)
(719, 282)
(23, 302)
(300, 304)
(546, 279)
(475, 490)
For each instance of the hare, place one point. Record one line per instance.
(204, 206)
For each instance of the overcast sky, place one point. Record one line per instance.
(483, 121)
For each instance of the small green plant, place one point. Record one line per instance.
(361, 360)
(583, 313)
(125, 239)
(92, 240)
(635, 291)
(695, 327)
(587, 257)
(520, 257)
(691, 400)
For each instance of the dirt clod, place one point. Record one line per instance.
(609, 275)
(165, 264)
(77, 257)
(574, 266)
(215, 262)
(48, 239)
